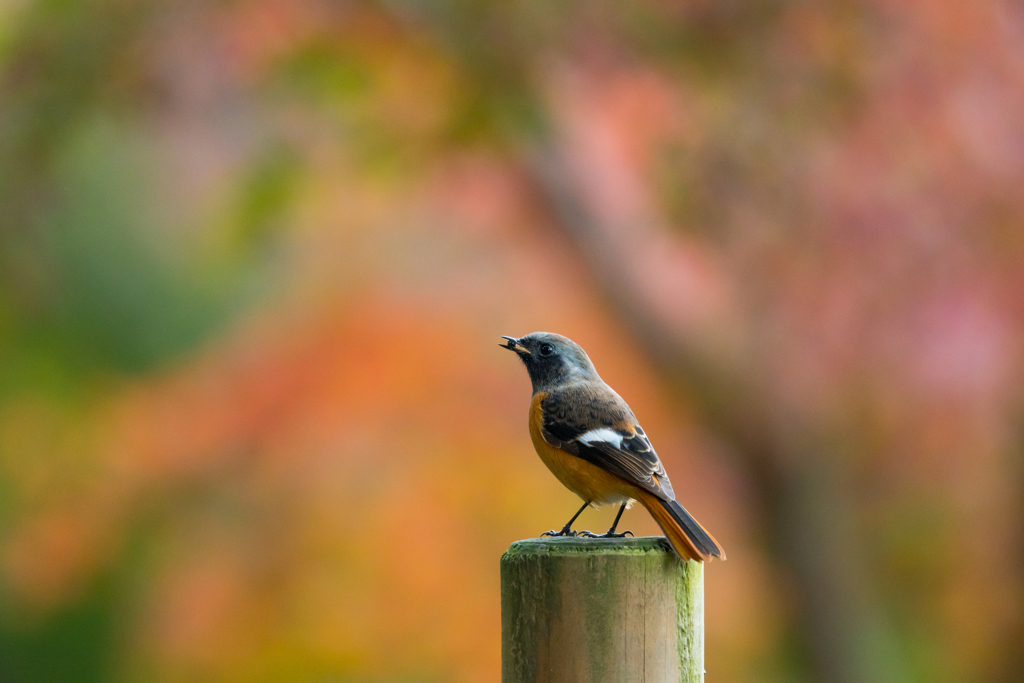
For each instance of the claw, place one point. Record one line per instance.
(608, 534)
(566, 531)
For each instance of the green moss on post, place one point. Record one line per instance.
(581, 610)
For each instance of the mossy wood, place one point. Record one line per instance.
(579, 610)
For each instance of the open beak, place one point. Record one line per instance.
(513, 345)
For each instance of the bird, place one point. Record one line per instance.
(589, 438)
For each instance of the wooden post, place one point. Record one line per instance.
(582, 610)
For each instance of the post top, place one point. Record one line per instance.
(563, 545)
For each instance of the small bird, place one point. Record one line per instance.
(591, 441)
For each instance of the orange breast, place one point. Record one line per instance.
(589, 482)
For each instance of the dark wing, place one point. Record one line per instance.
(605, 434)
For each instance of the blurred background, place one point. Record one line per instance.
(255, 256)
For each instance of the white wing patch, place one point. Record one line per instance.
(604, 435)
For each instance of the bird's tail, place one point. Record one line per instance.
(685, 534)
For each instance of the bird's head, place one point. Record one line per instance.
(551, 359)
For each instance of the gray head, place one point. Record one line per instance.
(552, 359)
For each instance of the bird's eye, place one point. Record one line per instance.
(546, 349)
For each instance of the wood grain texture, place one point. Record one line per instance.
(580, 610)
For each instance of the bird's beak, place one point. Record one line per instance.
(513, 345)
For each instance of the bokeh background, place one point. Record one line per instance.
(255, 257)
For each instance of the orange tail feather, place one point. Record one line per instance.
(686, 535)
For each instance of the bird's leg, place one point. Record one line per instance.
(567, 529)
(611, 532)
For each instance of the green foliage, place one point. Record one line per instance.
(117, 297)
(76, 643)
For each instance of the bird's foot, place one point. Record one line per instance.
(607, 534)
(566, 531)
